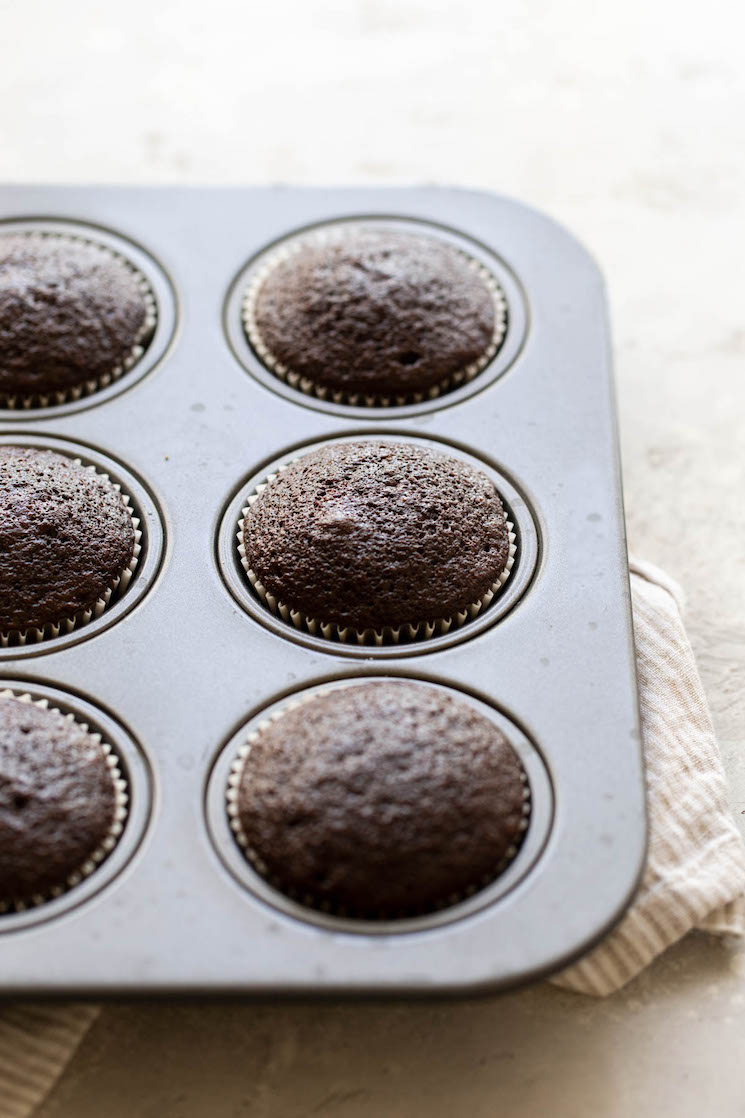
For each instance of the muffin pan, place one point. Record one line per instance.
(178, 667)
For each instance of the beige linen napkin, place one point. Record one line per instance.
(695, 875)
(36, 1044)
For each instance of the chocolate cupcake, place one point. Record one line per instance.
(366, 315)
(74, 316)
(62, 802)
(384, 799)
(68, 540)
(392, 539)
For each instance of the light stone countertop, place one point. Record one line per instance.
(625, 122)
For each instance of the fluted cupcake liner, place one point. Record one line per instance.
(121, 801)
(360, 399)
(388, 634)
(235, 778)
(112, 592)
(19, 402)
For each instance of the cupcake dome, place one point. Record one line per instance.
(374, 535)
(66, 536)
(384, 799)
(375, 313)
(61, 802)
(73, 316)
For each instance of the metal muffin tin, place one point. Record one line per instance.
(177, 667)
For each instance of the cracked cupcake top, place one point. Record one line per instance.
(369, 534)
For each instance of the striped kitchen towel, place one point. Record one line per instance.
(36, 1044)
(695, 874)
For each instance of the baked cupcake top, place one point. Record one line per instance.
(58, 800)
(375, 312)
(66, 535)
(71, 312)
(383, 799)
(370, 535)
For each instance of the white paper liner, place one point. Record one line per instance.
(233, 812)
(388, 635)
(14, 401)
(113, 591)
(359, 399)
(121, 800)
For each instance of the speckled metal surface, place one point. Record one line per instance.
(189, 663)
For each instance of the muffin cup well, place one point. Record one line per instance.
(359, 399)
(19, 402)
(121, 800)
(308, 900)
(387, 635)
(115, 589)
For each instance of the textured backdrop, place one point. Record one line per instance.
(627, 122)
